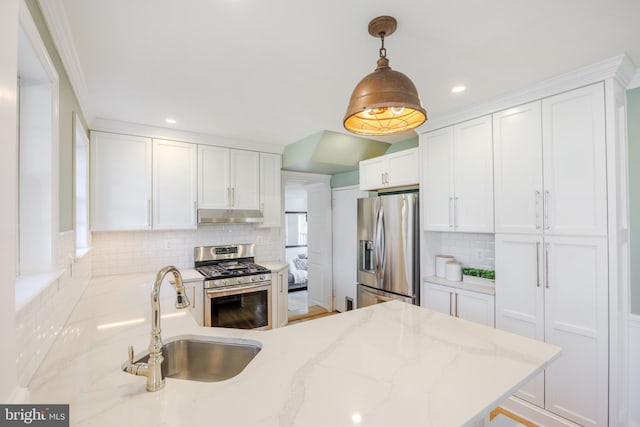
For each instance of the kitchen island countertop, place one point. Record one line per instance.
(389, 364)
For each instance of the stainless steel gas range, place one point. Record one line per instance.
(236, 291)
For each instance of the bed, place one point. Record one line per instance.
(298, 273)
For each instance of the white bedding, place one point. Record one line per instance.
(299, 276)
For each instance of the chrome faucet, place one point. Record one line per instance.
(152, 369)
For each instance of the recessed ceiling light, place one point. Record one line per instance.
(458, 89)
(170, 121)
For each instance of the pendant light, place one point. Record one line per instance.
(385, 102)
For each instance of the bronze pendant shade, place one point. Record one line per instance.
(385, 102)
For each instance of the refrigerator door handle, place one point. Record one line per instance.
(382, 245)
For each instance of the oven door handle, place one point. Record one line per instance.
(234, 289)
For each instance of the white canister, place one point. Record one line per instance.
(454, 271)
(441, 261)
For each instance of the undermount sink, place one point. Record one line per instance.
(207, 359)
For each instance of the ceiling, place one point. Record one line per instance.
(277, 71)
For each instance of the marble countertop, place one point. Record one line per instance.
(389, 364)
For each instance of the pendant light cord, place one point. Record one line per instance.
(383, 51)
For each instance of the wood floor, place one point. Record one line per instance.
(314, 312)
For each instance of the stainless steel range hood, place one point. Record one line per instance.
(216, 216)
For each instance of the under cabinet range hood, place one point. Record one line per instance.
(214, 216)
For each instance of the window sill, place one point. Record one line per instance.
(29, 287)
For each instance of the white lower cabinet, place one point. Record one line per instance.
(469, 305)
(554, 288)
(279, 297)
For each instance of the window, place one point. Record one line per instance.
(295, 229)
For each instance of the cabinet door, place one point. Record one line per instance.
(437, 180)
(517, 153)
(437, 297)
(372, 173)
(520, 296)
(270, 189)
(403, 168)
(475, 306)
(120, 182)
(575, 162)
(576, 319)
(473, 176)
(214, 171)
(245, 179)
(174, 185)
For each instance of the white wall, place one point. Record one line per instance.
(8, 147)
(142, 251)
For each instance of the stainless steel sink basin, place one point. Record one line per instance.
(202, 358)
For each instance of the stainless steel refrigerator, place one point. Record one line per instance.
(388, 249)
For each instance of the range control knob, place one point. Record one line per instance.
(262, 277)
(239, 280)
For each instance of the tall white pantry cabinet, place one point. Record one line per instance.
(561, 236)
(551, 280)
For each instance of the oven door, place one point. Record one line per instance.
(246, 307)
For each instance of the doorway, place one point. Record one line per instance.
(307, 241)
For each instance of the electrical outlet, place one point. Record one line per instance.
(479, 255)
(168, 244)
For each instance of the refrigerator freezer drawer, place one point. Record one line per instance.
(368, 296)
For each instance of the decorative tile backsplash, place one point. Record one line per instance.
(141, 251)
(471, 249)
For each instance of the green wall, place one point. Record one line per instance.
(633, 121)
(68, 104)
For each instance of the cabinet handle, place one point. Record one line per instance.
(455, 212)
(193, 298)
(382, 178)
(233, 196)
(456, 304)
(386, 174)
(538, 210)
(195, 210)
(280, 280)
(537, 264)
(546, 265)
(547, 225)
(450, 211)
(149, 214)
(450, 303)
(229, 196)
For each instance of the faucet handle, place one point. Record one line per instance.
(131, 354)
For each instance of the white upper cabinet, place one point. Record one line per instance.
(120, 182)
(271, 189)
(517, 150)
(174, 185)
(550, 165)
(245, 179)
(392, 170)
(214, 177)
(457, 177)
(573, 138)
(228, 178)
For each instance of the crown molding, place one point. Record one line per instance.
(56, 19)
(128, 128)
(618, 67)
